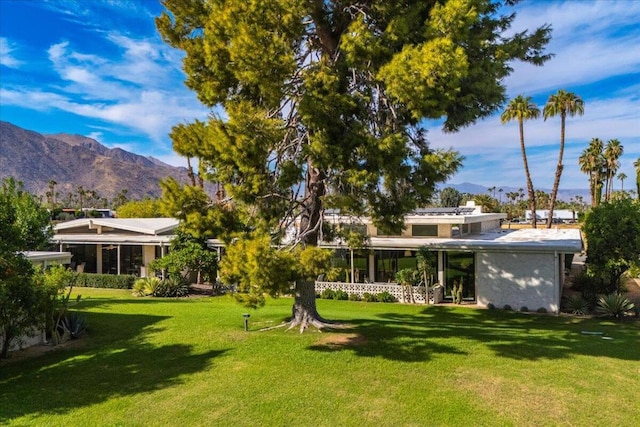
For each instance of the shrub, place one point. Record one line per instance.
(369, 297)
(614, 305)
(541, 310)
(91, 280)
(575, 304)
(490, 306)
(385, 297)
(139, 287)
(329, 294)
(355, 297)
(172, 287)
(72, 325)
(507, 307)
(524, 309)
(341, 295)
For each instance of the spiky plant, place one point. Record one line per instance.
(614, 305)
(575, 304)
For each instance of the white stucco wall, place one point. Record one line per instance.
(518, 279)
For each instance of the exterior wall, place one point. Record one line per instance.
(489, 225)
(444, 230)
(518, 279)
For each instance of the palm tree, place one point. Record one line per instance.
(612, 153)
(592, 162)
(637, 166)
(562, 103)
(622, 176)
(521, 109)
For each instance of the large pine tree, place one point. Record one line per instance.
(318, 104)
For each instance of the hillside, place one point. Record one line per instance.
(75, 160)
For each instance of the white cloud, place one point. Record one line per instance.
(6, 57)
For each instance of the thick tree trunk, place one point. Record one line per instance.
(304, 312)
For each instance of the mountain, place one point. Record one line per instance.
(75, 160)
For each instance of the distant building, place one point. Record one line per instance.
(561, 215)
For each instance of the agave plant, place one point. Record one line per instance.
(614, 305)
(575, 304)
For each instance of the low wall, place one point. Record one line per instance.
(435, 293)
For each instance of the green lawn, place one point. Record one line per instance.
(189, 362)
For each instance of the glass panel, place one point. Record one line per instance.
(130, 259)
(83, 255)
(460, 268)
(424, 230)
(388, 263)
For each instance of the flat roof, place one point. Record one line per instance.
(137, 225)
(527, 240)
(39, 256)
(118, 239)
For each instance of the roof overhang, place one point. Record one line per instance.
(49, 257)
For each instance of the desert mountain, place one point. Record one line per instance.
(75, 160)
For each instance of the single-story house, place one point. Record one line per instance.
(519, 268)
(115, 245)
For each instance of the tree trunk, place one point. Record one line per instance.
(304, 312)
(6, 342)
(530, 190)
(556, 181)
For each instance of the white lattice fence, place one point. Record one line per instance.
(435, 293)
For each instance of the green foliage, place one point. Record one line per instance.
(58, 282)
(341, 295)
(111, 281)
(614, 305)
(355, 297)
(368, 297)
(406, 276)
(385, 297)
(450, 197)
(146, 208)
(507, 307)
(328, 294)
(576, 304)
(541, 310)
(72, 326)
(172, 287)
(524, 309)
(188, 255)
(145, 286)
(21, 299)
(24, 222)
(340, 107)
(491, 306)
(612, 231)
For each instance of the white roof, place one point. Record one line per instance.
(150, 226)
(40, 256)
(121, 239)
(527, 240)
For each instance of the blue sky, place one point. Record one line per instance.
(98, 68)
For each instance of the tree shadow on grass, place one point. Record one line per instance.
(441, 330)
(119, 365)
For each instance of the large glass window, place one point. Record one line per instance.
(130, 259)
(460, 268)
(388, 263)
(342, 263)
(83, 255)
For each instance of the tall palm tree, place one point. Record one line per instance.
(622, 176)
(612, 153)
(592, 162)
(521, 109)
(637, 166)
(562, 103)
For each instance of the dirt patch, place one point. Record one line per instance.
(38, 350)
(342, 340)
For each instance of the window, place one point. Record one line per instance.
(424, 230)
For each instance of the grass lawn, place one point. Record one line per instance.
(189, 362)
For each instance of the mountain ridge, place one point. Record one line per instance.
(76, 160)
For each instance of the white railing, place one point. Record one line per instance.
(398, 291)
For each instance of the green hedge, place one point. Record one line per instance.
(90, 280)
